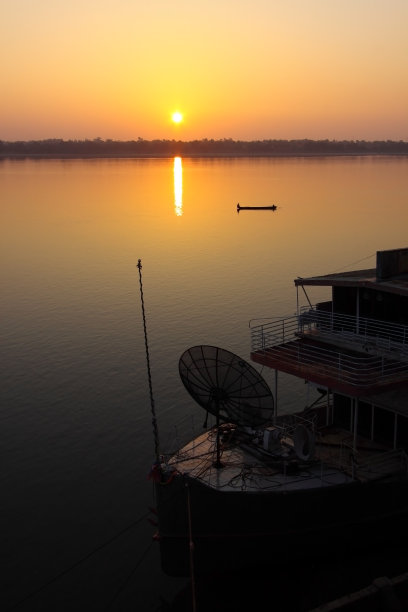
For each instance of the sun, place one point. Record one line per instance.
(177, 117)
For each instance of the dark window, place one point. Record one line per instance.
(402, 432)
(364, 419)
(341, 411)
(384, 427)
(345, 300)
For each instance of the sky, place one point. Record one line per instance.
(240, 69)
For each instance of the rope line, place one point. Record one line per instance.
(354, 263)
(126, 581)
(154, 419)
(77, 563)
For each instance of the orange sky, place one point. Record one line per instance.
(242, 69)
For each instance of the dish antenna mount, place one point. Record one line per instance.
(227, 387)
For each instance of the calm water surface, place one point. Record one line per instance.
(76, 432)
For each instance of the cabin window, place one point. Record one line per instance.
(364, 419)
(402, 432)
(345, 300)
(341, 411)
(383, 306)
(384, 422)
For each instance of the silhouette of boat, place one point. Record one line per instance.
(260, 487)
(272, 207)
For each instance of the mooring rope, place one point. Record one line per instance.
(154, 419)
(72, 567)
(128, 578)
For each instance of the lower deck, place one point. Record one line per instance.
(243, 464)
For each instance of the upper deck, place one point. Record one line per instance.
(351, 355)
(357, 343)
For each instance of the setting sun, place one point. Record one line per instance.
(177, 117)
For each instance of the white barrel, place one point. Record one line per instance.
(304, 443)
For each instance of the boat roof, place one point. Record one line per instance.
(359, 278)
(389, 276)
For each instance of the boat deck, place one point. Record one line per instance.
(339, 368)
(247, 468)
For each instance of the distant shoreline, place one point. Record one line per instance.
(225, 148)
(62, 157)
(72, 156)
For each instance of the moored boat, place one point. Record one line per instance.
(261, 487)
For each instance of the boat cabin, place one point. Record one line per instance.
(355, 346)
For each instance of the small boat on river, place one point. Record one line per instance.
(272, 207)
(259, 487)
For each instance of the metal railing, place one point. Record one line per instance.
(383, 464)
(279, 340)
(359, 466)
(369, 334)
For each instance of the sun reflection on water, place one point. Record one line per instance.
(178, 186)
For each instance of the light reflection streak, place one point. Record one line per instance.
(178, 186)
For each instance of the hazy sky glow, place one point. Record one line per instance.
(241, 69)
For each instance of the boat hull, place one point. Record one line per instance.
(273, 207)
(220, 531)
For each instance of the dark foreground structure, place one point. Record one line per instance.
(261, 489)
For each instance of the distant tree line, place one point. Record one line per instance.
(225, 147)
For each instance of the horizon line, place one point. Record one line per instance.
(205, 139)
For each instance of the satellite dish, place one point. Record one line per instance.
(226, 386)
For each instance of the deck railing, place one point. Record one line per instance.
(390, 462)
(363, 467)
(369, 334)
(280, 341)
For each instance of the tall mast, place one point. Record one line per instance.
(153, 411)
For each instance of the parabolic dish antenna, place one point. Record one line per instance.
(226, 386)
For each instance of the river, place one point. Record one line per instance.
(77, 440)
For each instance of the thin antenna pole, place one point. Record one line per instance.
(191, 549)
(154, 420)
